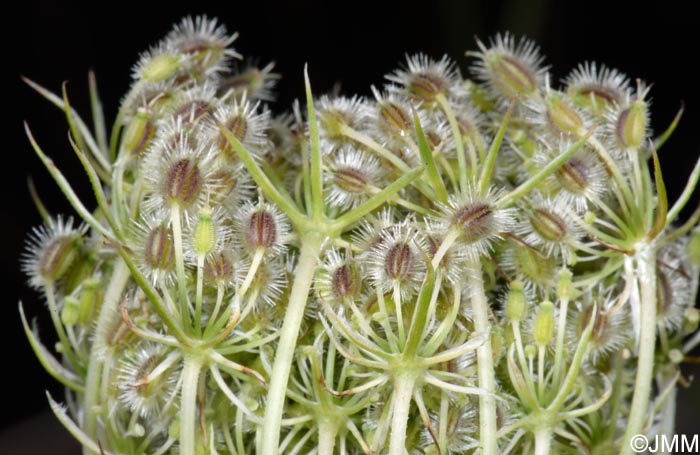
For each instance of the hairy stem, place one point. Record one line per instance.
(327, 432)
(188, 404)
(487, 382)
(401, 403)
(646, 265)
(310, 248)
(543, 440)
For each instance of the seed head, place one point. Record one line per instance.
(340, 279)
(139, 133)
(334, 113)
(244, 121)
(550, 225)
(512, 72)
(351, 177)
(176, 176)
(397, 260)
(596, 90)
(144, 380)
(209, 233)
(561, 117)
(158, 64)
(393, 117)
(204, 43)
(156, 249)
(252, 82)
(476, 219)
(610, 330)
(580, 180)
(261, 227)
(51, 251)
(218, 268)
(628, 122)
(423, 79)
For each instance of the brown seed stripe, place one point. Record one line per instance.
(261, 230)
(475, 221)
(183, 182)
(398, 261)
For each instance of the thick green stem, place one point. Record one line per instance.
(327, 433)
(110, 307)
(543, 440)
(488, 426)
(401, 403)
(188, 404)
(310, 248)
(646, 266)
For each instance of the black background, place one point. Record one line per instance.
(353, 43)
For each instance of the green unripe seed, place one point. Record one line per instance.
(562, 117)
(204, 236)
(515, 302)
(161, 67)
(70, 313)
(632, 125)
(564, 285)
(543, 329)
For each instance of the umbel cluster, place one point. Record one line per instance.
(449, 266)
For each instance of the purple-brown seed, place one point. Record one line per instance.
(238, 127)
(261, 230)
(350, 180)
(574, 176)
(398, 261)
(159, 251)
(346, 282)
(548, 225)
(183, 182)
(56, 257)
(475, 221)
(426, 87)
(511, 76)
(218, 268)
(394, 118)
(600, 332)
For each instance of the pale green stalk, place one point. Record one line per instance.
(401, 404)
(188, 404)
(488, 425)
(327, 433)
(543, 440)
(646, 266)
(294, 315)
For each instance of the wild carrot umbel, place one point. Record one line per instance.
(458, 266)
